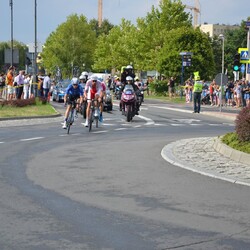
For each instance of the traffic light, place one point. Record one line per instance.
(237, 64)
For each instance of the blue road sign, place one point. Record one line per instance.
(242, 68)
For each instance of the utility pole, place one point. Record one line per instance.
(99, 13)
(12, 49)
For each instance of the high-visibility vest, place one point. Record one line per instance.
(198, 86)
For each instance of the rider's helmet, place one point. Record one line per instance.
(129, 67)
(94, 78)
(84, 73)
(82, 77)
(136, 79)
(129, 79)
(74, 81)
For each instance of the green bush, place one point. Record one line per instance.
(232, 140)
(242, 123)
(159, 87)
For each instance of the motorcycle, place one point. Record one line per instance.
(128, 98)
(140, 94)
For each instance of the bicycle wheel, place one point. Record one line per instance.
(96, 122)
(90, 119)
(70, 120)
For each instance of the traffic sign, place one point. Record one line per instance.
(244, 55)
(248, 24)
(242, 68)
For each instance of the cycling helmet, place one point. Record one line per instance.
(129, 67)
(129, 78)
(136, 79)
(93, 77)
(85, 73)
(74, 81)
(82, 77)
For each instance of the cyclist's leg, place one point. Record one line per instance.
(88, 109)
(66, 115)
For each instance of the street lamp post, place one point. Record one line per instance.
(11, 16)
(221, 36)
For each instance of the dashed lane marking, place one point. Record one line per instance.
(118, 129)
(32, 139)
(99, 132)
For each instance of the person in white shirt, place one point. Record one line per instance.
(46, 85)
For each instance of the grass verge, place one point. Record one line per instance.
(38, 109)
(231, 140)
(176, 99)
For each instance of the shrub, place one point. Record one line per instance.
(159, 87)
(19, 102)
(242, 123)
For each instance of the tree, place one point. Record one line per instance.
(191, 40)
(104, 29)
(71, 45)
(117, 48)
(22, 48)
(155, 26)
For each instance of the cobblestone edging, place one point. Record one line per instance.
(198, 155)
(231, 153)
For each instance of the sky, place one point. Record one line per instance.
(51, 13)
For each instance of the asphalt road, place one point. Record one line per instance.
(111, 189)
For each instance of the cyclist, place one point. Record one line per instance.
(74, 92)
(93, 90)
(103, 96)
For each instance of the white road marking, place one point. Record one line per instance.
(32, 139)
(148, 120)
(2, 142)
(118, 129)
(99, 132)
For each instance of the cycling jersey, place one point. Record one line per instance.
(74, 91)
(92, 91)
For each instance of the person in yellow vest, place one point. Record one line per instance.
(197, 90)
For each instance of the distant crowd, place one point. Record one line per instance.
(235, 94)
(20, 85)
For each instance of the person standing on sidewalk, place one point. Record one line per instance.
(46, 86)
(197, 94)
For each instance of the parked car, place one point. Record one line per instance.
(59, 90)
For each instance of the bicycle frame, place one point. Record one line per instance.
(92, 116)
(71, 116)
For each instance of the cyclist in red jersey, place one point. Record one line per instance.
(93, 90)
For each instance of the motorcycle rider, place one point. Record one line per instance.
(128, 71)
(129, 81)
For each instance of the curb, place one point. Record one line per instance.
(29, 117)
(231, 153)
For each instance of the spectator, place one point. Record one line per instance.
(20, 82)
(40, 86)
(2, 84)
(46, 86)
(211, 92)
(26, 86)
(171, 86)
(10, 83)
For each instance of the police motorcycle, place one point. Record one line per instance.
(128, 103)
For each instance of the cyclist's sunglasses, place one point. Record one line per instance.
(94, 81)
